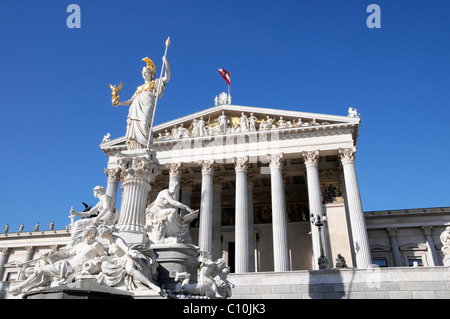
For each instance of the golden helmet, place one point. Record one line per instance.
(150, 65)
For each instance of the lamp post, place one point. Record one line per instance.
(318, 222)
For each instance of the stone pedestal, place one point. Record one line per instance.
(82, 288)
(174, 258)
(138, 169)
(446, 262)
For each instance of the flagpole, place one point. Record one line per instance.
(150, 133)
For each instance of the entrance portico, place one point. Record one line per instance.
(296, 164)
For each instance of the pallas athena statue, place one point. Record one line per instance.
(142, 104)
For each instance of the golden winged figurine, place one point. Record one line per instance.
(114, 91)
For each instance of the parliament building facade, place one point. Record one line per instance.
(280, 202)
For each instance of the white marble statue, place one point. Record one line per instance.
(223, 98)
(282, 123)
(106, 214)
(163, 222)
(212, 279)
(183, 132)
(174, 133)
(142, 105)
(267, 124)
(202, 127)
(195, 128)
(71, 262)
(106, 138)
(352, 112)
(223, 122)
(127, 263)
(243, 120)
(252, 120)
(445, 240)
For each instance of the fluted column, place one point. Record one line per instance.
(28, 257)
(356, 213)
(216, 252)
(279, 227)
(187, 186)
(113, 175)
(205, 229)
(392, 231)
(311, 159)
(251, 222)
(430, 244)
(241, 228)
(186, 195)
(138, 170)
(4, 253)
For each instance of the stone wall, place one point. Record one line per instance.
(376, 283)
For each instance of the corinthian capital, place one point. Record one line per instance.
(347, 154)
(241, 163)
(275, 160)
(113, 174)
(207, 166)
(175, 169)
(311, 157)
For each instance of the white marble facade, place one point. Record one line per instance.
(270, 146)
(257, 174)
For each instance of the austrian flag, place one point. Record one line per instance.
(225, 74)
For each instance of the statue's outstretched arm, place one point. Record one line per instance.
(84, 214)
(125, 103)
(166, 77)
(177, 204)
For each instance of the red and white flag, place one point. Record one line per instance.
(225, 74)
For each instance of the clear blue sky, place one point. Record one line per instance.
(312, 56)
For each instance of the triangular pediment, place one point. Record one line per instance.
(265, 119)
(279, 119)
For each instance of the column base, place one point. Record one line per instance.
(446, 261)
(132, 238)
